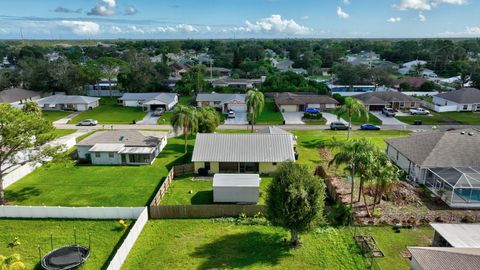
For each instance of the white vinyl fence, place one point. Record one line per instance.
(7, 211)
(127, 245)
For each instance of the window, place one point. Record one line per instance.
(110, 155)
(412, 104)
(97, 155)
(216, 102)
(465, 107)
(207, 166)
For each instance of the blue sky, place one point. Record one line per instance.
(168, 19)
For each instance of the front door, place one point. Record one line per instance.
(124, 158)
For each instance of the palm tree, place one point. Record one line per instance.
(351, 107)
(255, 104)
(384, 173)
(185, 118)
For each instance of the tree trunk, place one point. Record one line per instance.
(295, 241)
(185, 136)
(2, 193)
(352, 175)
(110, 86)
(251, 119)
(366, 205)
(360, 189)
(349, 125)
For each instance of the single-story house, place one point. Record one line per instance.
(236, 188)
(149, 101)
(68, 103)
(376, 101)
(242, 153)
(179, 69)
(121, 147)
(429, 73)
(238, 83)
(282, 65)
(219, 71)
(448, 163)
(277, 130)
(432, 258)
(462, 100)
(347, 90)
(293, 102)
(223, 102)
(384, 64)
(413, 82)
(17, 95)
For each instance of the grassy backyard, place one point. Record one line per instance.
(63, 132)
(202, 193)
(110, 112)
(87, 185)
(204, 244)
(445, 118)
(53, 116)
(105, 236)
(270, 116)
(165, 118)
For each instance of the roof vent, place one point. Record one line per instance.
(470, 134)
(463, 132)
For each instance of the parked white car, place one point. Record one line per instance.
(419, 111)
(87, 122)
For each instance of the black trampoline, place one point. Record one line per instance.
(65, 258)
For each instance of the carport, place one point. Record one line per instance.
(152, 105)
(376, 107)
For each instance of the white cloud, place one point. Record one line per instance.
(473, 30)
(342, 14)
(421, 17)
(115, 29)
(394, 19)
(130, 10)
(470, 31)
(81, 27)
(425, 4)
(208, 28)
(186, 28)
(104, 8)
(274, 24)
(346, 2)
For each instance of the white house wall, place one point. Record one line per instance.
(82, 151)
(132, 103)
(104, 158)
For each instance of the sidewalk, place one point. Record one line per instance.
(66, 119)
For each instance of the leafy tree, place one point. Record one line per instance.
(193, 80)
(31, 107)
(23, 132)
(352, 107)
(110, 68)
(208, 120)
(427, 86)
(405, 86)
(347, 74)
(13, 262)
(295, 199)
(255, 104)
(185, 118)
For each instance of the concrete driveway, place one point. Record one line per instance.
(388, 121)
(293, 118)
(149, 119)
(330, 117)
(240, 119)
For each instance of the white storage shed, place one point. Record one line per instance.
(236, 188)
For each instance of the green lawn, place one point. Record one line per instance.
(110, 112)
(308, 142)
(63, 132)
(165, 118)
(204, 244)
(357, 121)
(269, 115)
(105, 236)
(202, 193)
(87, 185)
(446, 118)
(53, 116)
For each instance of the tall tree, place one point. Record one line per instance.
(110, 68)
(384, 173)
(208, 119)
(23, 132)
(295, 199)
(255, 104)
(185, 118)
(352, 107)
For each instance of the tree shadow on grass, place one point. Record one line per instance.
(22, 194)
(242, 250)
(202, 197)
(316, 143)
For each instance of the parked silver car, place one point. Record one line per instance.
(339, 126)
(158, 112)
(87, 122)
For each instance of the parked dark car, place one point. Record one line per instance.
(369, 127)
(339, 126)
(312, 110)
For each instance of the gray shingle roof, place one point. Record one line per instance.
(243, 148)
(299, 99)
(441, 149)
(16, 94)
(463, 96)
(433, 258)
(220, 97)
(125, 137)
(380, 98)
(63, 99)
(166, 98)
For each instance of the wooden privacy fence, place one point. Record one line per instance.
(204, 211)
(184, 169)
(175, 171)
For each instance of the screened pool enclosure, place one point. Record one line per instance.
(458, 187)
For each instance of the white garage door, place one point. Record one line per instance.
(238, 107)
(289, 108)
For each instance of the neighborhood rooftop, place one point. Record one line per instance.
(64, 99)
(243, 148)
(219, 97)
(459, 235)
(16, 94)
(381, 98)
(446, 258)
(464, 95)
(457, 148)
(123, 137)
(299, 99)
(163, 97)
